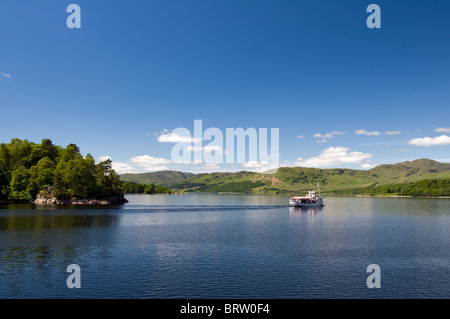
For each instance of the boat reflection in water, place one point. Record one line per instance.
(293, 210)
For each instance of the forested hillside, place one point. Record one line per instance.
(163, 178)
(300, 179)
(428, 187)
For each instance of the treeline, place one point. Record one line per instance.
(28, 170)
(429, 187)
(137, 188)
(231, 187)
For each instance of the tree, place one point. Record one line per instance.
(4, 182)
(41, 176)
(71, 152)
(39, 151)
(150, 189)
(79, 178)
(19, 184)
(108, 181)
(18, 153)
(49, 150)
(5, 177)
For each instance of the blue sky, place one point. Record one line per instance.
(136, 70)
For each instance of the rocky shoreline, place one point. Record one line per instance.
(51, 201)
(117, 200)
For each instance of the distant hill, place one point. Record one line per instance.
(428, 187)
(411, 171)
(297, 179)
(163, 178)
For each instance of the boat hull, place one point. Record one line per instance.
(296, 204)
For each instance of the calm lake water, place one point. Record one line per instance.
(228, 246)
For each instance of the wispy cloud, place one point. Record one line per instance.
(376, 133)
(430, 141)
(364, 132)
(328, 135)
(443, 129)
(334, 156)
(442, 160)
(139, 164)
(5, 75)
(173, 137)
(259, 166)
(387, 143)
(323, 137)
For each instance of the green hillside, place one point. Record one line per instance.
(163, 178)
(298, 179)
(411, 171)
(427, 187)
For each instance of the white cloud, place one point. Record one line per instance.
(443, 129)
(442, 160)
(146, 160)
(300, 136)
(286, 163)
(430, 141)
(367, 166)
(123, 168)
(172, 137)
(376, 133)
(328, 135)
(139, 164)
(256, 164)
(103, 158)
(259, 166)
(321, 141)
(334, 156)
(364, 132)
(5, 75)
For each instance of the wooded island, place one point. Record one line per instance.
(48, 174)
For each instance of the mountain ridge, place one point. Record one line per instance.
(294, 179)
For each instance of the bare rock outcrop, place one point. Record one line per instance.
(116, 200)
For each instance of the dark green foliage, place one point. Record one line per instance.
(19, 184)
(189, 184)
(107, 180)
(232, 187)
(5, 177)
(41, 176)
(28, 170)
(135, 188)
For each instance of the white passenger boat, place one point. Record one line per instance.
(310, 200)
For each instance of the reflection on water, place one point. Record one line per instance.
(36, 245)
(54, 219)
(227, 246)
(308, 210)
